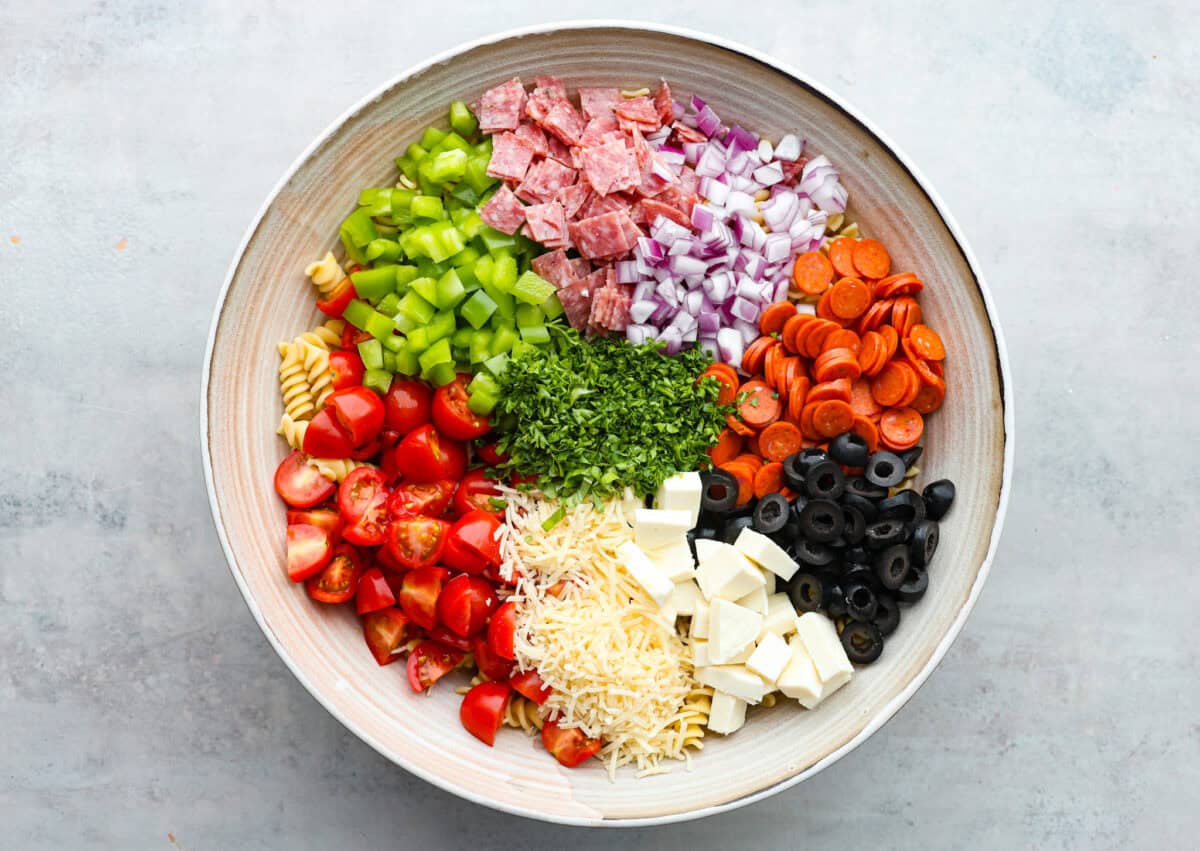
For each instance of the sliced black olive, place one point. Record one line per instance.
(859, 486)
(807, 592)
(885, 469)
(914, 585)
(821, 520)
(797, 505)
(824, 480)
(857, 554)
(835, 601)
(849, 449)
(939, 496)
(907, 506)
(883, 533)
(859, 574)
(712, 520)
(863, 642)
(924, 542)
(865, 507)
(771, 514)
(809, 457)
(860, 601)
(720, 490)
(793, 471)
(887, 614)
(812, 553)
(855, 526)
(735, 526)
(911, 456)
(892, 566)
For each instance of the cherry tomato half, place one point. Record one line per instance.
(489, 664)
(425, 456)
(457, 556)
(362, 499)
(347, 369)
(385, 632)
(351, 336)
(340, 296)
(490, 455)
(476, 532)
(419, 592)
(429, 662)
(299, 484)
(338, 581)
(465, 603)
(416, 541)
(482, 710)
(452, 416)
(407, 404)
(308, 550)
(374, 593)
(359, 411)
(326, 518)
(430, 499)
(502, 631)
(326, 438)
(569, 746)
(529, 683)
(477, 492)
(439, 633)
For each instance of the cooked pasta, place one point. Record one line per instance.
(694, 717)
(298, 401)
(292, 431)
(326, 273)
(335, 469)
(523, 714)
(324, 336)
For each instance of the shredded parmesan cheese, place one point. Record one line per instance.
(617, 670)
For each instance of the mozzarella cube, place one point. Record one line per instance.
(727, 714)
(706, 547)
(630, 503)
(727, 574)
(701, 658)
(644, 572)
(681, 492)
(799, 679)
(770, 658)
(820, 639)
(699, 626)
(655, 528)
(737, 680)
(768, 580)
(731, 629)
(755, 601)
(781, 616)
(766, 553)
(674, 561)
(684, 597)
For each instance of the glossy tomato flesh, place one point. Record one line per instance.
(452, 416)
(324, 518)
(490, 455)
(476, 492)
(465, 603)
(430, 499)
(347, 369)
(482, 710)
(374, 593)
(385, 631)
(299, 484)
(476, 532)
(325, 437)
(415, 541)
(308, 551)
(458, 557)
(429, 662)
(419, 592)
(569, 745)
(502, 631)
(338, 581)
(359, 411)
(426, 456)
(490, 665)
(362, 500)
(529, 683)
(407, 404)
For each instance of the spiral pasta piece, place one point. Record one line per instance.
(523, 714)
(324, 336)
(325, 273)
(292, 431)
(694, 717)
(298, 401)
(335, 469)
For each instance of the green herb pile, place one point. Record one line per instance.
(590, 418)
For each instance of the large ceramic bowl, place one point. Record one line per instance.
(266, 299)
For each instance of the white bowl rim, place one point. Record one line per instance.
(893, 706)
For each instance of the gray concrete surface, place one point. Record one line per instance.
(140, 707)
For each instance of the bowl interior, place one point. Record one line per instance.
(269, 300)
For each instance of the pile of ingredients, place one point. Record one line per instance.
(615, 421)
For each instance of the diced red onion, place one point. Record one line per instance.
(707, 121)
(781, 290)
(741, 139)
(696, 103)
(739, 164)
(711, 163)
(687, 121)
(731, 345)
(709, 322)
(692, 151)
(745, 309)
(673, 339)
(748, 330)
(789, 148)
(627, 272)
(658, 136)
(769, 174)
(714, 189)
(702, 217)
(780, 211)
(639, 334)
(777, 247)
(665, 231)
(718, 287)
(748, 290)
(693, 301)
(680, 246)
(650, 250)
(661, 314)
(677, 107)
(752, 234)
(641, 311)
(710, 346)
(682, 264)
(690, 335)
(644, 291)
(740, 202)
(674, 156)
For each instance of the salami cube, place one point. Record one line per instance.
(664, 104)
(608, 235)
(573, 198)
(598, 102)
(639, 110)
(552, 86)
(543, 181)
(510, 157)
(503, 211)
(556, 268)
(500, 108)
(547, 224)
(533, 134)
(565, 122)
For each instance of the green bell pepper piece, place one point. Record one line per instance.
(379, 326)
(532, 288)
(374, 284)
(416, 308)
(496, 364)
(529, 315)
(495, 241)
(431, 137)
(437, 353)
(442, 325)
(503, 340)
(427, 207)
(383, 250)
(479, 345)
(441, 374)
(380, 380)
(356, 233)
(389, 304)
(535, 334)
(478, 309)
(505, 275)
(450, 290)
(552, 307)
(357, 313)
(462, 119)
(418, 339)
(371, 352)
(426, 288)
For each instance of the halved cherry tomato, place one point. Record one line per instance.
(430, 499)
(391, 567)
(326, 438)
(385, 631)
(419, 594)
(452, 416)
(338, 581)
(476, 531)
(407, 405)
(476, 492)
(457, 556)
(367, 451)
(490, 455)
(340, 296)
(351, 337)
(374, 593)
(465, 603)
(299, 484)
(569, 746)
(482, 710)
(425, 456)
(362, 499)
(490, 665)
(416, 541)
(325, 518)
(429, 662)
(502, 630)
(529, 683)
(439, 633)
(347, 369)
(308, 550)
(359, 411)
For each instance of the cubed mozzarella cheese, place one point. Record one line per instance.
(799, 679)
(737, 680)
(699, 626)
(768, 580)
(681, 492)
(674, 561)
(756, 600)
(684, 597)
(699, 653)
(727, 714)
(727, 574)
(643, 571)
(630, 504)
(705, 547)
(654, 528)
(781, 616)
(820, 639)
(766, 553)
(731, 630)
(769, 658)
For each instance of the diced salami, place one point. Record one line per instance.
(503, 211)
(582, 266)
(544, 180)
(576, 300)
(681, 133)
(610, 308)
(598, 205)
(564, 121)
(547, 224)
(610, 167)
(556, 150)
(500, 108)
(556, 268)
(791, 169)
(639, 110)
(597, 102)
(510, 157)
(552, 86)
(652, 209)
(533, 134)
(663, 103)
(573, 198)
(674, 197)
(689, 181)
(609, 235)
(600, 129)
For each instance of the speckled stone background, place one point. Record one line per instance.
(140, 707)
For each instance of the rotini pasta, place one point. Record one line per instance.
(523, 714)
(335, 469)
(292, 431)
(325, 273)
(324, 336)
(298, 401)
(694, 717)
